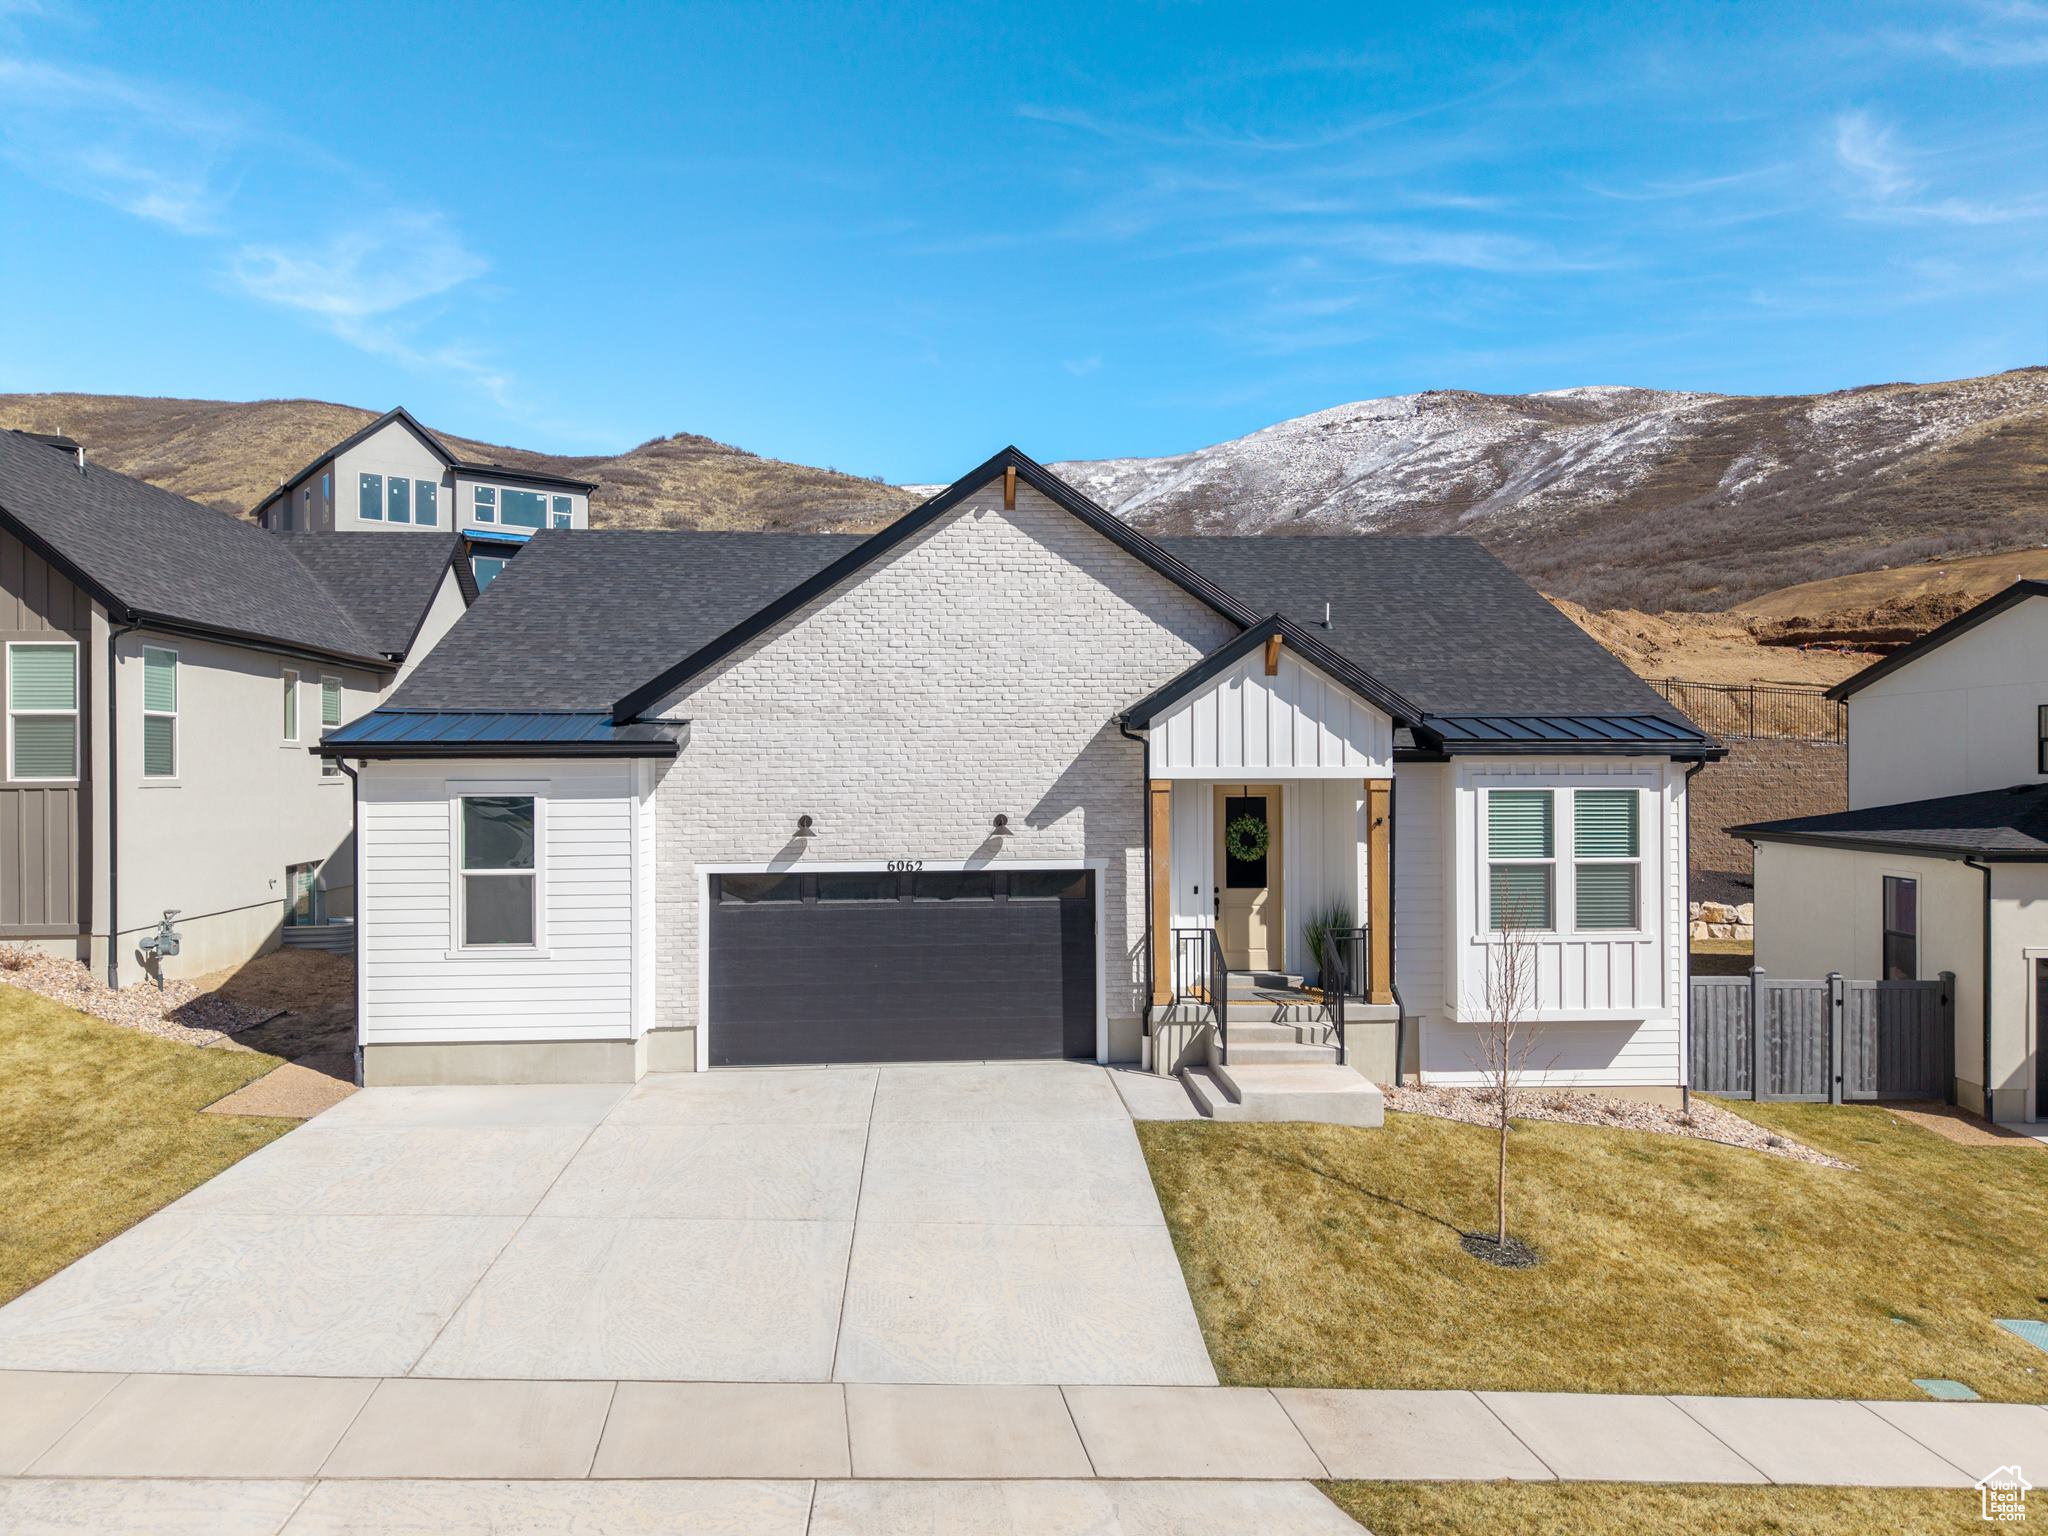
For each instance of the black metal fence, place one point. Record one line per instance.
(1778, 711)
(1827, 1041)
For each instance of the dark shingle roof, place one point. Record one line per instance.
(384, 580)
(1439, 619)
(591, 615)
(583, 616)
(1988, 824)
(150, 554)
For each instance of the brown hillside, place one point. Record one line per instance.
(231, 455)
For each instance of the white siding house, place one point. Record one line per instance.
(1940, 863)
(984, 784)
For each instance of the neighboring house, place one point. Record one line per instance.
(949, 792)
(1941, 861)
(167, 668)
(395, 475)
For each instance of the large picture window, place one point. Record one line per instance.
(1901, 929)
(1607, 859)
(159, 713)
(398, 499)
(522, 509)
(370, 498)
(426, 503)
(1521, 853)
(499, 894)
(42, 711)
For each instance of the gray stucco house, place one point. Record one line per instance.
(167, 667)
(1012, 779)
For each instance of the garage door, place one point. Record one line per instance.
(942, 965)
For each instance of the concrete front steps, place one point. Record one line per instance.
(1320, 1090)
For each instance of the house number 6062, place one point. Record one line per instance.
(905, 866)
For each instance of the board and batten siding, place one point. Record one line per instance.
(1610, 1008)
(1299, 723)
(418, 985)
(39, 823)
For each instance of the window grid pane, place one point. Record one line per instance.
(1604, 823)
(1521, 897)
(1606, 896)
(1519, 824)
(44, 677)
(159, 747)
(45, 747)
(497, 909)
(497, 832)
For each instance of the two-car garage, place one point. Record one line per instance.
(901, 963)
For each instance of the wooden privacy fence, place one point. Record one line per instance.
(1826, 1041)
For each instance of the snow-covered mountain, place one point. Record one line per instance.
(1618, 496)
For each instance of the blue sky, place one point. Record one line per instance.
(893, 238)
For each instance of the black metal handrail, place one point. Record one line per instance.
(1346, 962)
(1201, 975)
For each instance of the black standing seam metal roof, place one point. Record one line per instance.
(1990, 824)
(430, 733)
(152, 556)
(1970, 618)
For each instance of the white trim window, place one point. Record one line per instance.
(159, 712)
(499, 874)
(562, 513)
(330, 717)
(483, 504)
(1521, 860)
(291, 706)
(1607, 860)
(42, 711)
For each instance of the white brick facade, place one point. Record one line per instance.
(976, 669)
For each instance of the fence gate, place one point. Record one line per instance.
(1824, 1041)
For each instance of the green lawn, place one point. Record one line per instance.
(1622, 1509)
(1325, 1256)
(99, 1126)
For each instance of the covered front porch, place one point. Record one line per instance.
(1269, 946)
(1272, 930)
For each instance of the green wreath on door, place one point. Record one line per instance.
(1247, 838)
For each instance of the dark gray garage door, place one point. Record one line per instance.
(924, 966)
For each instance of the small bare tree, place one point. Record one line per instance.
(1507, 1038)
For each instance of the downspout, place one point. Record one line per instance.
(1685, 983)
(1145, 822)
(1985, 870)
(355, 818)
(114, 810)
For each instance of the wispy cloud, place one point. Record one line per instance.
(183, 158)
(1892, 184)
(1993, 34)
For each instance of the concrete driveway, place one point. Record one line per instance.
(930, 1224)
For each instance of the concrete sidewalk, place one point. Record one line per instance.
(59, 1425)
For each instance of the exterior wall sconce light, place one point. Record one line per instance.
(1002, 825)
(803, 826)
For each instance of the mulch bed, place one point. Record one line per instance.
(1706, 1122)
(180, 1012)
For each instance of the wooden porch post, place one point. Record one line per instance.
(1379, 886)
(1160, 798)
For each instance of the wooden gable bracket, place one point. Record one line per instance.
(1272, 655)
(1010, 489)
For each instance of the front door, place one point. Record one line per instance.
(1248, 916)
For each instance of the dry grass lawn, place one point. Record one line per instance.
(99, 1126)
(1611, 1509)
(1324, 1256)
